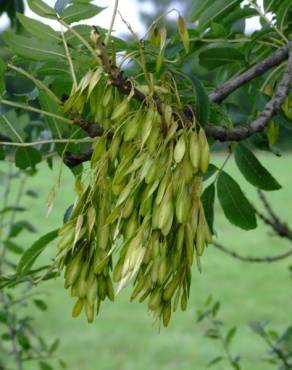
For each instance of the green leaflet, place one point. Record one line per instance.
(235, 205)
(41, 8)
(214, 57)
(2, 79)
(31, 254)
(38, 29)
(209, 11)
(253, 170)
(78, 12)
(27, 157)
(207, 199)
(216, 11)
(33, 49)
(202, 105)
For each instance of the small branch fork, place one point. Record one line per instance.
(272, 107)
(259, 69)
(250, 259)
(280, 227)
(220, 133)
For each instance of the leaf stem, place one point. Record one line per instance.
(70, 62)
(42, 142)
(12, 128)
(81, 38)
(266, 19)
(36, 110)
(108, 36)
(37, 82)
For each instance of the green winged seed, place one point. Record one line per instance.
(120, 110)
(78, 307)
(98, 150)
(180, 239)
(180, 149)
(170, 289)
(194, 150)
(189, 244)
(204, 151)
(147, 124)
(92, 291)
(162, 187)
(132, 128)
(115, 146)
(166, 314)
(89, 311)
(154, 300)
(168, 224)
(165, 211)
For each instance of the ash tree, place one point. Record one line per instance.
(136, 121)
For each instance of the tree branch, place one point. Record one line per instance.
(251, 259)
(74, 159)
(257, 70)
(280, 227)
(222, 133)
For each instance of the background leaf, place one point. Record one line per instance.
(38, 29)
(216, 56)
(252, 169)
(207, 199)
(2, 79)
(30, 255)
(78, 12)
(27, 157)
(40, 304)
(33, 49)
(60, 5)
(202, 106)
(41, 8)
(235, 205)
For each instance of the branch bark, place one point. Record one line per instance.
(222, 133)
(251, 259)
(279, 226)
(257, 70)
(74, 159)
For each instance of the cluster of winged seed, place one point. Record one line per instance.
(138, 219)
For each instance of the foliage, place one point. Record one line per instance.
(11, 8)
(141, 112)
(278, 345)
(20, 341)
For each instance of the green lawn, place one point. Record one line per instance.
(124, 337)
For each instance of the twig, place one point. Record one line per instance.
(259, 69)
(37, 82)
(12, 128)
(277, 351)
(280, 227)
(251, 259)
(266, 19)
(108, 36)
(36, 110)
(80, 37)
(222, 133)
(74, 159)
(92, 128)
(70, 62)
(42, 142)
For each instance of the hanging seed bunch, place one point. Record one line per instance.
(138, 219)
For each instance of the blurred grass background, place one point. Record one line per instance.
(124, 336)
